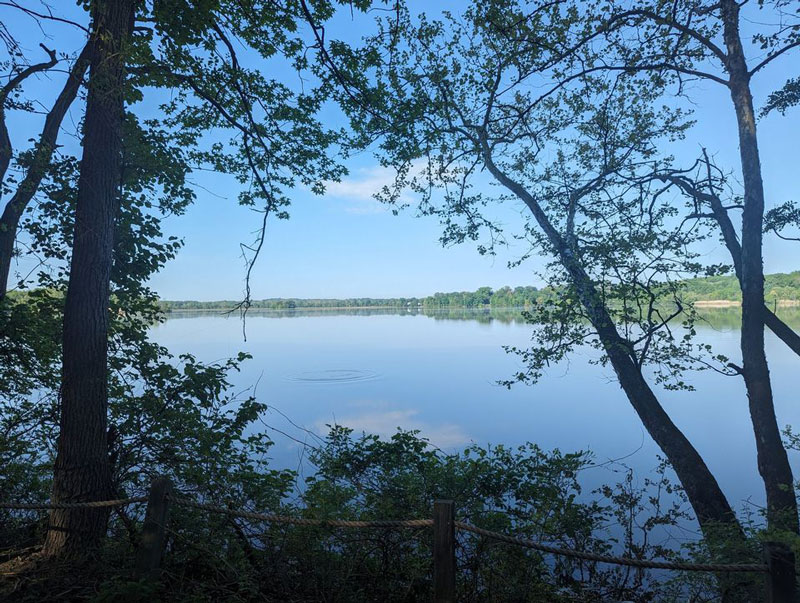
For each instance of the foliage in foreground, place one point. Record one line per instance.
(523, 491)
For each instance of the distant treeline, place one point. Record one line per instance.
(485, 296)
(505, 297)
(291, 303)
(778, 287)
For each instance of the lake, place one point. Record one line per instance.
(437, 372)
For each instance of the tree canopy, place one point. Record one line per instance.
(567, 111)
(570, 111)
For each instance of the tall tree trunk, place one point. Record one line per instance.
(773, 463)
(783, 331)
(706, 497)
(9, 221)
(82, 469)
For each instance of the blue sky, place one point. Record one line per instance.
(345, 244)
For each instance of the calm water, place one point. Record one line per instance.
(375, 371)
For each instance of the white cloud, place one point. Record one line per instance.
(359, 189)
(363, 184)
(366, 207)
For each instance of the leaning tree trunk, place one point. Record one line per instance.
(773, 463)
(82, 470)
(43, 153)
(706, 497)
(783, 331)
(7, 233)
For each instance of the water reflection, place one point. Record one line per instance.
(329, 376)
(378, 417)
(716, 318)
(376, 369)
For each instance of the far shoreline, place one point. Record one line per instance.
(726, 303)
(704, 303)
(253, 309)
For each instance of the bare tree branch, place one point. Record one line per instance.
(6, 150)
(774, 56)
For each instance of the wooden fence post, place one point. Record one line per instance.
(781, 580)
(151, 548)
(444, 551)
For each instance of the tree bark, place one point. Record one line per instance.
(773, 463)
(82, 469)
(783, 331)
(706, 497)
(9, 221)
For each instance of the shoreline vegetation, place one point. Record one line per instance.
(727, 317)
(724, 303)
(780, 290)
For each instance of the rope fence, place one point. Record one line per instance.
(99, 504)
(642, 563)
(779, 562)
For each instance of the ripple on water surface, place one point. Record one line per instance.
(334, 376)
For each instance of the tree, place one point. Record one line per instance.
(82, 468)
(535, 96)
(133, 172)
(690, 46)
(36, 161)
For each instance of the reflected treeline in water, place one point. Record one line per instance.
(717, 318)
(482, 315)
(731, 317)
